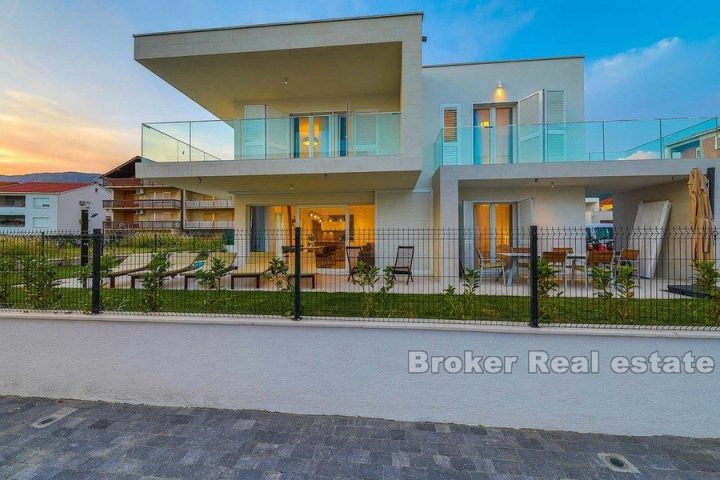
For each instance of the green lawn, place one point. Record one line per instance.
(676, 312)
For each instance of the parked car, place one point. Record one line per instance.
(599, 236)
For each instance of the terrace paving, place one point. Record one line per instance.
(119, 441)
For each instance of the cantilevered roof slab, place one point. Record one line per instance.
(347, 57)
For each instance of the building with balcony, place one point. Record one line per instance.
(146, 205)
(338, 127)
(48, 206)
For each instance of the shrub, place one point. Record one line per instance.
(278, 274)
(41, 282)
(706, 282)
(547, 288)
(374, 302)
(211, 279)
(7, 279)
(152, 280)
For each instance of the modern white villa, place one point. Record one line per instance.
(337, 126)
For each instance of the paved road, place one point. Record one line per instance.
(118, 441)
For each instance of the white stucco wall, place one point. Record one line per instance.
(69, 207)
(349, 368)
(474, 84)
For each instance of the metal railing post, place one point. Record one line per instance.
(297, 274)
(97, 240)
(534, 310)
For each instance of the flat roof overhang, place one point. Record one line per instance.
(220, 178)
(596, 177)
(345, 57)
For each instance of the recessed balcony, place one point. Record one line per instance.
(683, 138)
(297, 137)
(202, 204)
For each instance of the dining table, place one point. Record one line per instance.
(512, 260)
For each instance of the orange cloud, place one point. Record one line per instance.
(39, 135)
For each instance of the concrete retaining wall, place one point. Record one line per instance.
(353, 368)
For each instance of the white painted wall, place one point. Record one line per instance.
(69, 207)
(474, 84)
(353, 368)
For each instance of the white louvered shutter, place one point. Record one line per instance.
(450, 135)
(556, 127)
(530, 119)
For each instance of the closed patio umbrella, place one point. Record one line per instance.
(701, 217)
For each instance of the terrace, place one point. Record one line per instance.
(593, 141)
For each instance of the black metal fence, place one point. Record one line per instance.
(537, 276)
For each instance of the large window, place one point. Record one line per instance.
(493, 134)
(16, 201)
(12, 221)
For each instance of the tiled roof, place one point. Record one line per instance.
(42, 187)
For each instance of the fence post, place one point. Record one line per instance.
(534, 310)
(297, 274)
(97, 240)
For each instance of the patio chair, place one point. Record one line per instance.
(403, 262)
(556, 261)
(178, 263)
(489, 265)
(353, 256)
(522, 263)
(308, 266)
(568, 251)
(134, 262)
(627, 256)
(595, 258)
(228, 258)
(255, 265)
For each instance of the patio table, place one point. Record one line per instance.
(514, 260)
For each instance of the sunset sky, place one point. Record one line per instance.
(73, 98)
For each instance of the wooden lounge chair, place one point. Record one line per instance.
(308, 266)
(255, 265)
(403, 262)
(178, 262)
(131, 264)
(228, 258)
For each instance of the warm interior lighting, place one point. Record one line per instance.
(485, 123)
(306, 141)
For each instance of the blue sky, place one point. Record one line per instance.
(72, 97)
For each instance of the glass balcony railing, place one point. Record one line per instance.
(316, 136)
(579, 142)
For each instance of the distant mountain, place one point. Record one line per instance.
(63, 177)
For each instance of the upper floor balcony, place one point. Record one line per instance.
(209, 204)
(294, 137)
(162, 204)
(676, 138)
(130, 182)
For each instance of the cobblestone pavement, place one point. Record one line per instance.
(118, 441)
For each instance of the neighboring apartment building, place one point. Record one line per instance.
(145, 205)
(47, 206)
(340, 120)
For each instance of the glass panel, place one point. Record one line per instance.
(483, 228)
(503, 135)
(481, 136)
(324, 229)
(321, 137)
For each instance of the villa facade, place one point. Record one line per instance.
(338, 127)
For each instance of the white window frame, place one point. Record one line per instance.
(45, 203)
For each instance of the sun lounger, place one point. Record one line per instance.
(308, 266)
(255, 265)
(131, 264)
(178, 262)
(228, 258)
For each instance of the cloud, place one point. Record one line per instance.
(642, 155)
(38, 134)
(670, 78)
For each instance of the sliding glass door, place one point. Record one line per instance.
(493, 135)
